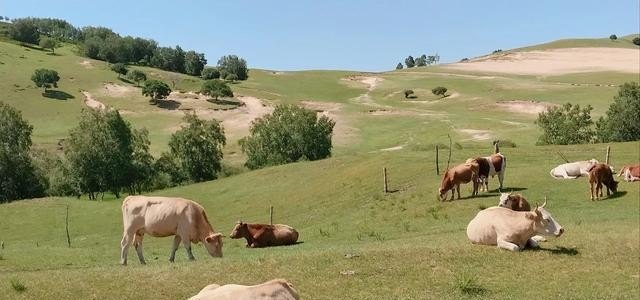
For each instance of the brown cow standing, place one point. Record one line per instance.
(263, 235)
(464, 173)
(601, 174)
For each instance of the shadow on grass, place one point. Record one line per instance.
(125, 80)
(59, 95)
(225, 102)
(615, 195)
(571, 251)
(166, 104)
(34, 47)
(53, 54)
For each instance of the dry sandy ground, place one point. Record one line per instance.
(118, 91)
(87, 64)
(343, 132)
(525, 107)
(91, 102)
(556, 61)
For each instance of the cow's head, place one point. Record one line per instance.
(613, 186)
(239, 231)
(505, 200)
(545, 224)
(213, 243)
(443, 194)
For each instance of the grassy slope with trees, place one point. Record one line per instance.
(404, 245)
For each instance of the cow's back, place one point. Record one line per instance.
(495, 221)
(277, 289)
(159, 216)
(285, 234)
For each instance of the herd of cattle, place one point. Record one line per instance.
(511, 225)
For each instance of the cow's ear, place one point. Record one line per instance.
(208, 239)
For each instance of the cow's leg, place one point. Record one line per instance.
(458, 189)
(187, 246)
(453, 193)
(531, 243)
(174, 248)
(591, 189)
(599, 190)
(137, 243)
(127, 239)
(507, 245)
(539, 238)
(500, 178)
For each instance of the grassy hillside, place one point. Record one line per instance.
(403, 245)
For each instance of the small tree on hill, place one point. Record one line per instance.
(216, 88)
(399, 66)
(48, 43)
(210, 73)
(155, 89)
(233, 64)
(622, 121)
(137, 76)
(636, 41)
(613, 37)
(45, 78)
(289, 134)
(408, 93)
(198, 148)
(566, 125)
(120, 69)
(409, 62)
(439, 91)
(421, 61)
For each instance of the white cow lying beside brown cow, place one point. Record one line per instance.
(573, 170)
(277, 289)
(511, 230)
(162, 216)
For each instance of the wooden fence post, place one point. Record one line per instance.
(437, 166)
(384, 178)
(271, 215)
(449, 159)
(606, 160)
(67, 227)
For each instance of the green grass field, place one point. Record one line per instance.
(402, 245)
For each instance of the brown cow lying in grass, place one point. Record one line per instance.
(630, 173)
(601, 174)
(263, 235)
(464, 173)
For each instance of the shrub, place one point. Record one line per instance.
(399, 66)
(210, 73)
(216, 88)
(636, 40)
(45, 78)
(232, 64)
(137, 76)
(289, 134)
(407, 93)
(48, 43)
(565, 125)
(496, 51)
(439, 91)
(409, 62)
(622, 121)
(18, 286)
(613, 37)
(120, 69)
(464, 60)
(155, 89)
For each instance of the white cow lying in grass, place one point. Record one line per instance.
(573, 170)
(277, 289)
(511, 230)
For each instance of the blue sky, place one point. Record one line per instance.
(342, 34)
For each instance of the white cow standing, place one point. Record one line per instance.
(277, 289)
(573, 170)
(511, 230)
(163, 216)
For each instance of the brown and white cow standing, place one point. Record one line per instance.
(600, 174)
(264, 235)
(494, 164)
(630, 173)
(163, 216)
(277, 289)
(454, 177)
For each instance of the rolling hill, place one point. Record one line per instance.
(358, 243)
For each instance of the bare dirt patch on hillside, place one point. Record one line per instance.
(118, 91)
(87, 64)
(556, 61)
(91, 102)
(370, 82)
(478, 135)
(524, 106)
(343, 132)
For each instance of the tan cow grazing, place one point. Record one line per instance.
(511, 230)
(452, 178)
(264, 235)
(630, 173)
(601, 174)
(277, 289)
(514, 201)
(163, 216)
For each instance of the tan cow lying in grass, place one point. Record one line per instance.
(454, 177)
(162, 216)
(573, 170)
(277, 289)
(264, 235)
(511, 230)
(630, 173)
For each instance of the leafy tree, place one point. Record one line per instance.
(142, 169)
(24, 30)
(421, 61)
(622, 121)
(399, 66)
(613, 37)
(101, 152)
(120, 69)
(216, 88)
(232, 64)
(407, 93)
(289, 134)
(155, 89)
(198, 147)
(565, 125)
(194, 63)
(45, 78)
(137, 76)
(636, 40)
(168, 171)
(48, 43)
(231, 77)
(210, 73)
(439, 91)
(409, 62)
(18, 177)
